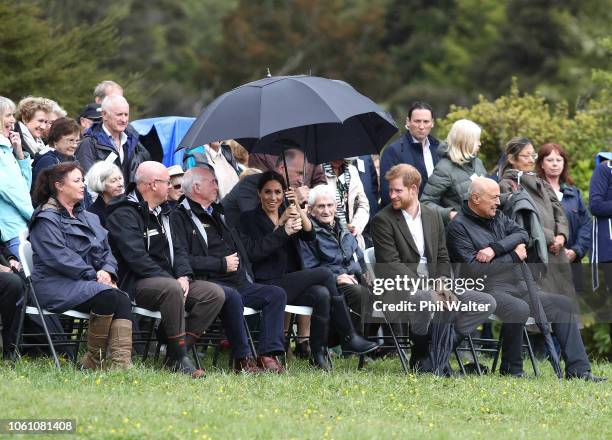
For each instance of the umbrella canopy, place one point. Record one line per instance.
(327, 119)
(161, 136)
(540, 317)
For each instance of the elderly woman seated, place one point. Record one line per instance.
(335, 248)
(74, 267)
(105, 181)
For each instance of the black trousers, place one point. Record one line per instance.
(11, 289)
(108, 302)
(311, 288)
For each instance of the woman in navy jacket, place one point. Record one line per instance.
(600, 203)
(552, 166)
(311, 287)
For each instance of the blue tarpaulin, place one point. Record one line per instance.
(162, 135)
(603, 155)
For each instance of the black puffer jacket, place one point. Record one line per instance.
(139, 241)
(468, 233)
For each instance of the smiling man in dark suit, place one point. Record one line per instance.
(410, 246)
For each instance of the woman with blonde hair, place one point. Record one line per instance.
(447, 187)
(33, 122)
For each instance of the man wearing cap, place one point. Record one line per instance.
(90, 114)
(110, 140)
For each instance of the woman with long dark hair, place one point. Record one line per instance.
(74, 267)
(310, 287)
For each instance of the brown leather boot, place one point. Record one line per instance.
(120, 344)
(97, 337)
(270, 364)
(246, 365)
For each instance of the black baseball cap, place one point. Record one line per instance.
(91, 111)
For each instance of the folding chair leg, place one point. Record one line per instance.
(496, 357)
(400, 351)
(530, 352)
(145, 354)
(77, 344)
(250, 338)
(194, 352)
(44, 324)
(460, 362)
(474, 354)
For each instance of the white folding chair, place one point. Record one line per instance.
(25, 256)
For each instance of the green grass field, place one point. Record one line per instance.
(379, 402)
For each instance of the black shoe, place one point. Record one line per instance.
(586, 375)
(356, 344)
(302, 350)
(319, 360)
(518, 374)
(185, 366)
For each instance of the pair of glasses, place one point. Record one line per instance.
(533, 156)
(167, 182)
(177, 187)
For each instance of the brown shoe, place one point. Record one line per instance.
(270, 363)
(120, 344)
(246, 365)
(97, 338)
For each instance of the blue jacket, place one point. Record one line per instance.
(328, 250)
(15, 182)
(403, 150)
(47, 160)
(68, 253)
(579, 221)
(600, 204)
(96, 145)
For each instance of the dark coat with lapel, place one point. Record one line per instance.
(395, 249)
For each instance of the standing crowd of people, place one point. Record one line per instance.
(111, 229)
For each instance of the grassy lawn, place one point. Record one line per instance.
(377, 403)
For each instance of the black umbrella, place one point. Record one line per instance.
(442, 340)
(540, 317)
(327, 119)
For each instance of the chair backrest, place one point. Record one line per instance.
(25, 255)
(370, 259)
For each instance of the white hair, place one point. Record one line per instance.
(192, 176)
(6, 106)
(320, 191)
(111, 100)
(97, 175)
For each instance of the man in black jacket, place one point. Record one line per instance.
(11, 288)
(155, 271)
(218, 253)
(493, 245)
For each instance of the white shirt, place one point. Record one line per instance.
(119, 148)
(415, 225)
(559, 195)
(429, 165)
(225, 173)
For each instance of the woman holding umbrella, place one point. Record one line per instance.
(315, 288)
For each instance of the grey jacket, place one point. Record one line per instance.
(448, 185)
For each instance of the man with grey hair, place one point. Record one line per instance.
(492, 246)
(106, 88)
(110, 140)
(154, 268)
(219, 253)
